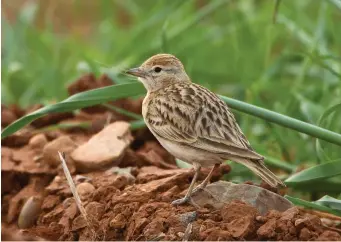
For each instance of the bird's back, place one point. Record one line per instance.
(193, 115)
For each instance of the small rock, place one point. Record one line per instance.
(38, 141)
(219, 193)
(103, 149)
(329, 222)
(121, 181)
(306, 235)
(118, 222)
(62, 144)
(29, 212)
(95, 210)
(267, 230)
(85, 189)
(68, 202)
(78, 223)
(329, 236)
(290, 214)
(310, 221)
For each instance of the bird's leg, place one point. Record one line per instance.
(185, 199)
(207, 179)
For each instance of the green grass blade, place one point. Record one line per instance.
(312, 205)
(323, 156)
(77, 101)
(330, 202)
(285, 121)
(319, 172)
(134, 125)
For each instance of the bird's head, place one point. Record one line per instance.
(160, 71)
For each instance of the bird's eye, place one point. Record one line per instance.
(157, 69)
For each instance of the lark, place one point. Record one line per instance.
(193, 123)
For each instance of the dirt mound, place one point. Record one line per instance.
(127, 193)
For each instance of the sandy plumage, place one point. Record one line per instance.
(191, 122)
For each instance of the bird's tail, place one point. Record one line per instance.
(261, 170)
(258, 167)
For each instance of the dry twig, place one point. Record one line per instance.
(75, 194)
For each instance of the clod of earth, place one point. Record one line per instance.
(85, 189)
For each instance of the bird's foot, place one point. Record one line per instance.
(181, 201)
(198, 188)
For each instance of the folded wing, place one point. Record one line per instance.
(199, 119)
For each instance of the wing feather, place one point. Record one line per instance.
(192, 115)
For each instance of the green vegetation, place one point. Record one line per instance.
(292, 67)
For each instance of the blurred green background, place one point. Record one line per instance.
(288, 62)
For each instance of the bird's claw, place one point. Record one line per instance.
(180, 201)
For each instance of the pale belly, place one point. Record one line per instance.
(188, 154)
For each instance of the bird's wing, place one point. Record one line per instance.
(193, 115)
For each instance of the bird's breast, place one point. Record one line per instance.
(145, 105)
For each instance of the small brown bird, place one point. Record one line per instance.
(193, 123)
